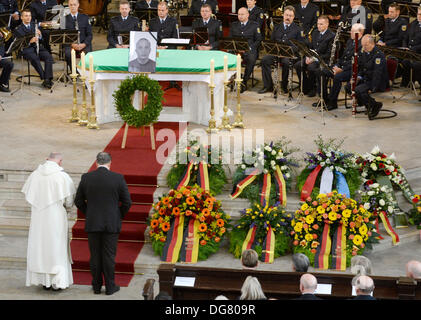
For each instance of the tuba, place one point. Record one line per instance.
(6, 33)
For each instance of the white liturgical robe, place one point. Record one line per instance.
(49, 189)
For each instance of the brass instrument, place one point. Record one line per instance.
(6, 34)
(280, 11)
(308, 35)
(36, 35)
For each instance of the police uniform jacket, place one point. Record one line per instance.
(22, 31)
(394, 32)
(345, 61)
(165, 30)
(256, 14)
(8, 6)
(144, 5)
(373, 70)
(348, 15)
(38, 9)
(250, 31)
(117, 26)
(197, 4)
(322, 43)
(282, 35)
(84, 28)
(413, 37)
(307, 16)
(214, 30)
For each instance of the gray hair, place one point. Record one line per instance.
(103, 158)
(358, 27)
(251, 289)
(300, 262)
(55, 156)
(364, 284)
(413, 269)
(308, 282)
(221, 297)
(360, 266)
(249, 258)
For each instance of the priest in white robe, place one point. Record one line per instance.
(49, 190)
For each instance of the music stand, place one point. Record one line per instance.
(199, 36)
(146, 14)
(125, 38)
(17, 45)
(63, 37)
(4, 19)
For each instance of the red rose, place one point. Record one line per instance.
(369, 182)
(382, 156)
(415, 200)
(388, 172)
(381, 165)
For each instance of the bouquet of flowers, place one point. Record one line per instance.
(330, 229)
(337, 167)
(264, 229)
(265, 175)
(187, 225)
(200, 164)
(415, 212)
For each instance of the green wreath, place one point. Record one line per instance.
(123, 101)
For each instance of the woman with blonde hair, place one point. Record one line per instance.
(251, 290)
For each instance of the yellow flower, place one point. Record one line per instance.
(320, 209)
(363, 229)
(308, 237)
(304, 206)
(346, 213)
(357, 240)
(298, 227)
(332, 216)
(309, 219)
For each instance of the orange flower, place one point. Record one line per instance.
(165, 226)
(165, 200)
(154, 223)
(206, 212)
(220, 223)
(203, 242)
(186, 192)
(295, 243)
(179, 195)
(190, 201)
(217, 239)
(162, 239)
(315, 226)
(203, 227)
(314, 236)
(162, 211)
(188, 213)
(222, 230)
(176, 211)
(202, 219)
(217, 216)
(199, 195)
(314, 203)
(160, 220)
(313, 251)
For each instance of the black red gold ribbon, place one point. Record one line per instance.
(309, 184)
(339, 248)
(280, 186)
(174, 240)
(321, 258)
(190, 247)
(203, 176)
(249, 240)
(268, 252)
(265, 194)
(186, 176)
(244, 183)
(388, 227)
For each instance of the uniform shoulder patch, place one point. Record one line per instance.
(258, 30)
(368, 15)
(261, 15)
(404, 27)
(317, 13)
(378, 60)
(302, 33)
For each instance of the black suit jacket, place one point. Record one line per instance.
(21, 31)
(394, 33)
(364, 297)
(98, 196)
(197, 4)
(322, 44)
(144, 5)
(8, 6)
(257, 14)
(345, 61)
(308, 296)
(308, 16)
(84, 28)
(117, 26)
(165, 30)
(281, 35)
(214, 31)
(372, 68)
(38, 9)
(413, 37)
(250, 31)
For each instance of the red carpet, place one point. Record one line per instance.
(173, 97)
(137, 162)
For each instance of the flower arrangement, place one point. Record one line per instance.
(196, 157)
(332, 211)
(329, 158)
(377, 198)
(189, 205)
(270, 166)
(260, 220)
(415, 212)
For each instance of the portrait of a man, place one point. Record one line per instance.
(143, 50)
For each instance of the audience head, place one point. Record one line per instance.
(163, 295)
(250, 3)
(368, 43)
(56, 157)
(243, 15)
(355, 3)
(221, 297)
(364, 285)
(251, 290)
(206, 11)
(357, 28)
(322, 23)
(308, 283)
(300, 262)
(26, 16)
(289, 14)
(360, 266)
(162, 9)
(103, 158)
(394, 10)
(413, 269)
(73, 6)
(249, 258)
(124, 8)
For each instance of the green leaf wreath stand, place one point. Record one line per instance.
(148, 114)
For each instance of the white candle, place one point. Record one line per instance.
(73, 62)
(82, 62)
(225, 68)
(212, 72)
(91, 67)
(238, 67)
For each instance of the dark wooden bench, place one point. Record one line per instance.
(211, 282)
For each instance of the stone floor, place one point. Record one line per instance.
(32, 126)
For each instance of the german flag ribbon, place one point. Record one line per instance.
(190, 246)
(244, 183)
(339, 246)
(184, 181)
(309, 184)
(203, 176)
(249, 240)
(174, 240)
(376, 224)
(321, 258)
(388, 227)
(268, 248)
(265, 194)
(280, 186)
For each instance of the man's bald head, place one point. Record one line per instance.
(413, 269)
(243, 14)
(364, 285)
(308, 283)
(57, 157)
(368, 43)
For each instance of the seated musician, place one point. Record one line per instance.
(282, 33)
(163, 24)
(244, 28)
(357, 13)
(214, 28)
(121, 24)
(395, 28)
(38, 10)
(145, 4)
(197, 4)
(321, 42)
(412, 42)
(307, 13)
(255, 13)
(11, 6)
(78, 21)
(30, 52)
(6, 65)
(343, 67)
(372, 76)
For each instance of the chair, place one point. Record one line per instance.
(22, 76)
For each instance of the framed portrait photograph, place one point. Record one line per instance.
(142, 55)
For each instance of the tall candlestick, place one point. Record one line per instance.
(82, 62)
(225, 68)
(212, 72)
(91, 67)
(238, 67)
(73, 62)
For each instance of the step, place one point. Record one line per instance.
(142, 194)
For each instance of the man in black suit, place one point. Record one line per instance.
(7, 66)
(30, 52)
(164, 25)
(121, 24)
(78, 21)
(39, 8)
(214, 28)
(11, 6)
(412, 42)
(255, 13)
(395, 28)
(244, 28)
(364, 287)
(308, 285)
(307, 13)
(144, 4)
(197, 4)
(357, 13)
(98, 197)
(282, 33)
